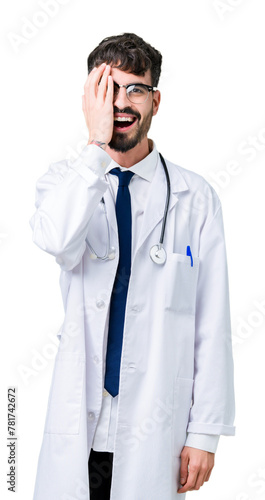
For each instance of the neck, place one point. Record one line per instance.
(133, 156)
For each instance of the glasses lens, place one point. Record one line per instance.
(137, 93)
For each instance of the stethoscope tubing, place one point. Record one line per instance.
(162, 234)
(161, 241)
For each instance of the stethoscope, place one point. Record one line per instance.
(157, 252)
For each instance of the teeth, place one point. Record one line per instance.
(123, 119)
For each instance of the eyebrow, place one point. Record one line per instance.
(133, 83)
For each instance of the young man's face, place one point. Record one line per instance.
(126, 138)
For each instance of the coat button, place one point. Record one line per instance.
(96, 359)
(105, 393)
(91, 415)
(100, 304)
(131, 367)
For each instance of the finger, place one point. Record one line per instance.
(90, 87)
(208, 475)
(89, 76)
(190, 484)
(102, 88)
(109, 95)
(200, 480)
(184, 469)
(96, 72)
(95, 78)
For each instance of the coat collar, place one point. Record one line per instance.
(144, 168)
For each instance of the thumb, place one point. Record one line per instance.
(184, 469)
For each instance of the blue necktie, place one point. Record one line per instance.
(120, 287)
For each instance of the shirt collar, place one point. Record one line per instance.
(144, 168)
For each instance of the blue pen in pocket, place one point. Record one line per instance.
(189, 254)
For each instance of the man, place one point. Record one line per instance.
(143, 379)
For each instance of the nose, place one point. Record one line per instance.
(121, 100)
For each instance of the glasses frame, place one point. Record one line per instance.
(144, 85)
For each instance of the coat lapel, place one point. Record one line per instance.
(155, 205)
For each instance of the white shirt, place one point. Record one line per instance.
(139, 185)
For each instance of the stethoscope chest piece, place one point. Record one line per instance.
(158, 254)
(112, 253)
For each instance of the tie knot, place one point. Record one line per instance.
(124, 177)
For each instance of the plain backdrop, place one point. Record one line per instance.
(211, 121)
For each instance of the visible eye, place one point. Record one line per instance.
(135, 89)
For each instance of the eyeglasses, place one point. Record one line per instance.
(137, 93)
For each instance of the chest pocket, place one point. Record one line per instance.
(181, 283)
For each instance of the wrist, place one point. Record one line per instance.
(100, 144)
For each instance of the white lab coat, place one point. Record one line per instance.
(176, 371)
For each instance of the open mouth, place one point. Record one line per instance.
(124, 123)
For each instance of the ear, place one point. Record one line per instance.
(156, 101)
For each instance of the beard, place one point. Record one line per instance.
(121, 143)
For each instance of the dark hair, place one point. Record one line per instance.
(127, 52)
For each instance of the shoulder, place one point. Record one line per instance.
(198, 191)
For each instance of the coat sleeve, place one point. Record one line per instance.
(66, 197)
(213, 408)
(206, 442)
